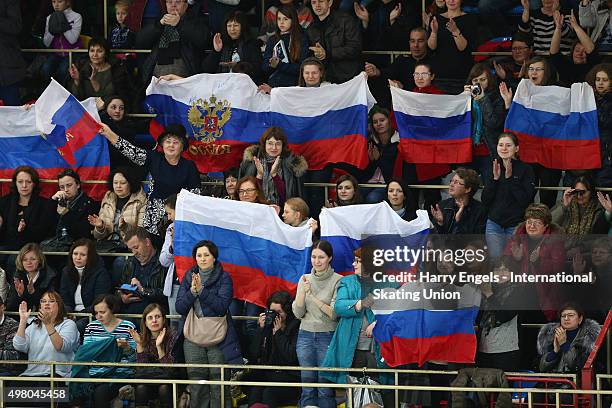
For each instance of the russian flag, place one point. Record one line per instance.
(22, 145)
(350, 227)
(433, 128)
(260, 252)
(225, 113)
(328, 124)
(557, 127)
(416, 331)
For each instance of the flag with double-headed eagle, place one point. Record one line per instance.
(225, 113)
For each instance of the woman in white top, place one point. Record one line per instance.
(51, 336)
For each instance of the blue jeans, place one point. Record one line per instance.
(496, 237)
(311, 348)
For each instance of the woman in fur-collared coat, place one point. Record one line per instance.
(565, 346)
(278, 171)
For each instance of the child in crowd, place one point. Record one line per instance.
(121, 36)
(62, 31)
(268, 29)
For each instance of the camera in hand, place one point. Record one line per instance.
(270, 317)
(475, 90)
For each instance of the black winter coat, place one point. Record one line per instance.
(493, 118)
(40, 217)
(604, 116)
(473, 220)
(194, 36)
(45, 282)
(386, 161)
(96, 281)
(75, 220)
(507, 199)
(276, 349)
(340, 35)
(12, 64)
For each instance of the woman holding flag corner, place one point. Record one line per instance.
(169, 171)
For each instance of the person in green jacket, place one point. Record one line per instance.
(352, 344)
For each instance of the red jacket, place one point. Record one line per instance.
(551, 261)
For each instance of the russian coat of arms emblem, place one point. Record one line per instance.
(207, 117)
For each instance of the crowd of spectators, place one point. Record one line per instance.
(329, 320)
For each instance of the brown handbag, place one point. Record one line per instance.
(205, 331)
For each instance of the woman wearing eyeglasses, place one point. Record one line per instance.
(537, 246)
(564, 346)
(352, 344)
(278, 171)
(579, 212)
(423, 78)
(540, 72)
(50, 337)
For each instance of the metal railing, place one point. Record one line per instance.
(348, 388)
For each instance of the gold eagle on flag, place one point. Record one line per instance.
(207, 118)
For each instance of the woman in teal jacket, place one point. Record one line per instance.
(352, 344)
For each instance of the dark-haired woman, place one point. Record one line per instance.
(170, 172)
(230, 180)
(276, 168)
(352, 344)
(400, 198)
(507, 193)
(579, 213)
(123, 204)
(564, 346)
(599, 79)
(112, 110)
(108, 326)
(232, 46)
(99, 75)
(314, 306)
(274, 344)
(25, 216)
(488, 115)
(84, 278)
(347, 192)
(382, 154)
(206, 291)
(540, 72)
(73, 206)
(154, 344)
(51, 337)
(285, 50)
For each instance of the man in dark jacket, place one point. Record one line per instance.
(335, 39)
(461, 214)
(73, 206)
(275, 344)
(12, 64)
(144, 271)
(177, 40)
